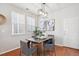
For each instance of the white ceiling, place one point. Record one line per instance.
(51, 7)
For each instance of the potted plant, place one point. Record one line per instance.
(37, 33)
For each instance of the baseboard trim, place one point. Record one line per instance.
(66, 46)
(71, 47)
(59, 45)
(9, 50)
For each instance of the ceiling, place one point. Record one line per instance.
(50, 7)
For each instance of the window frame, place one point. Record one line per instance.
(18, 23)
(31, 30)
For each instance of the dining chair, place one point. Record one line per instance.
(49, 45)
(25, 50)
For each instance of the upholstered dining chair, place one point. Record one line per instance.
(25, 50)
(49, 45)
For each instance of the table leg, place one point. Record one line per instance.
(42, 49)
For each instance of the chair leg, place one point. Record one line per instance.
(54, 51)
(37, 52)
(44, 52)
(20, 53)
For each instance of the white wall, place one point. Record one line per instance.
(71, 36)
(7, 40)
(66, 15)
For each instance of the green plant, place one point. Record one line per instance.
(38, 32)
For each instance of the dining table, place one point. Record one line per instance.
(40, 41)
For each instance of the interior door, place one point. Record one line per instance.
(71, 32)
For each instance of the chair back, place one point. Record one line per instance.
(23, 46)
(50, 41)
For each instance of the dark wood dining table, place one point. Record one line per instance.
(40, 41)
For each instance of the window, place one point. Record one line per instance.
(30, 23)
(18, 23)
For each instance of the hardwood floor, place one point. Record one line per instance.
(65, 51)
(12, 53)
(60, 51)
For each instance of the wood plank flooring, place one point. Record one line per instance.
(60, 51)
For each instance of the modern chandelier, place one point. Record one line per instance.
(42, 11)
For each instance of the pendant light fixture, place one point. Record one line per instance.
(42, 11)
